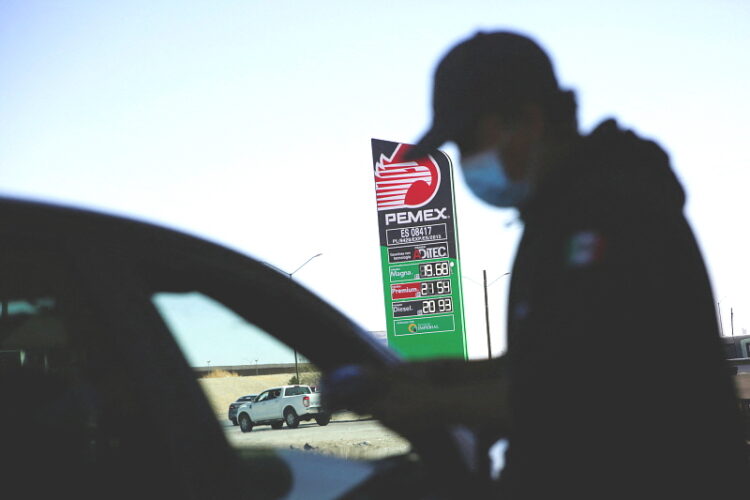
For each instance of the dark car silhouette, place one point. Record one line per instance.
(123, 414)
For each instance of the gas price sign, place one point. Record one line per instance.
(419, 252)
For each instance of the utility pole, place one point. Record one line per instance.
(487, 315)
(487, 309)
(731, 318)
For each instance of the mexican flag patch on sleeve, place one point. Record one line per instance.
(585, 249)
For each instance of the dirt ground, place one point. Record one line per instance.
(354, 437)
(743, 385)
(359, 439)
(343, 437)
(222, 391)
(225, 390)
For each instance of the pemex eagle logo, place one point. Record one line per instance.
(405, 184)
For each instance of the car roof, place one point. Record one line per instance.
(32, 215)
(285, 387)
(49, 225)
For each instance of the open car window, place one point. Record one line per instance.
(125, 355)
(232, 356)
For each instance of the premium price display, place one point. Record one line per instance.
(434, 306)
(435, 269)
(437, 287)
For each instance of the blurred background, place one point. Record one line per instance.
(249, 122)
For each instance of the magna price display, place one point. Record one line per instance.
(419, 252)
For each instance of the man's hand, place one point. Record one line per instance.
(418, 395)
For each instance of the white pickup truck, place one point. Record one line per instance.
(288, 403)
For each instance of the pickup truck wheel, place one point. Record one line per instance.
(246, 425)
(291, 418)
(277, 425)
(323, 419)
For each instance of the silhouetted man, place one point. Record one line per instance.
(614, 382)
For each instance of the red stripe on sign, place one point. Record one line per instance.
(405, 291)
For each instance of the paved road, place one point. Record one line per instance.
(345, 436)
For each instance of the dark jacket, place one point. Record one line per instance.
(619, 388)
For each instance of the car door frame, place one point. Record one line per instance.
(197, 462)
(260, 409)
(199, 453)
(113, 255)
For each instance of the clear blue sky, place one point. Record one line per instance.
(249, 122)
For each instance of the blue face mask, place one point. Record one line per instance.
(485, 176)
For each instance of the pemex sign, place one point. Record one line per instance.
(419, 252)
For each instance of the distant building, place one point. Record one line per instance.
(737, 351)
(737, 347)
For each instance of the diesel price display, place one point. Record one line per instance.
(420, 307)
(434, 269)
(433, 306)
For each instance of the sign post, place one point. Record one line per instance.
(419, 253)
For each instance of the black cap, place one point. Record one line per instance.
(489, 71)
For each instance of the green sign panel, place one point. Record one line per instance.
(419, 253)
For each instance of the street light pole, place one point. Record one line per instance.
(305, 263)
(296, 364)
